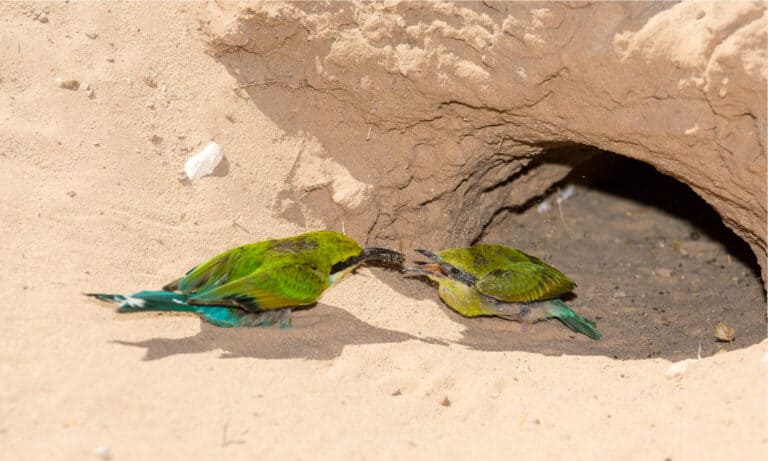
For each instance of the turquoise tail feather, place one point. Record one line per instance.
(168, 301)
(148, 301)
(572, 320)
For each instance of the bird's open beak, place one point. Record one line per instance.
(429, 254)
(431, 269)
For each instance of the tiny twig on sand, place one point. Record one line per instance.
(264, 82)
(238, 225)
(560, 212)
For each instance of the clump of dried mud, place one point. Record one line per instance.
(438, 108)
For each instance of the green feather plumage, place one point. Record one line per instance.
(508, 274)
(271, 274)
(257, 278)
(493, 280)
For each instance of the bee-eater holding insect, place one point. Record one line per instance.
(500, 281)
(259, 283)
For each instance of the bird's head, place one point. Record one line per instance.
(439, 271)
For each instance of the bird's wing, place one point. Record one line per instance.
(524, 282)
(270, 287)
(221, 269)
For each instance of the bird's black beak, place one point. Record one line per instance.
(429, 254)
(384, 255)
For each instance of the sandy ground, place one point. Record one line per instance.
(90, 200)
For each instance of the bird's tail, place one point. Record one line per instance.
(571, 319)
(148, 301)
(168, 301)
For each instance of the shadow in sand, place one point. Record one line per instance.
(319, 333)
(624, 336)
(549, 337)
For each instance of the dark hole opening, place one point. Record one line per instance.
(655, 265)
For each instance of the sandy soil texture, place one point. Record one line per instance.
(90, 199)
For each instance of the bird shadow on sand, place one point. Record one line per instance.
(318, 333)
(496, 334)
(623, 337)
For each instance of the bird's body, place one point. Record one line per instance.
(258, 283)
(493, 280)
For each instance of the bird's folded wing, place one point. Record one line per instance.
(525, 282)
(217, 271)
(271, 287)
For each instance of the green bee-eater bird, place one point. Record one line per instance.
(259, 283)
(505, 282)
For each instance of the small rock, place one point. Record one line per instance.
(662, 272)
(619, 294)
(445, 402)
(72, 193)
(71, 84)
(678, 369)
(110, 59)
(150, 82)
(544, 207)
(566, 194)
(103, 453)
(396, 393)
(92, 35)
(724, 333)
(204, 162)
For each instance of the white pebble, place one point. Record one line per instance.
(678, 369)
(103, 453)
(203, 163)
(566, 194)
(67, 84)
